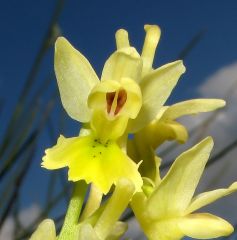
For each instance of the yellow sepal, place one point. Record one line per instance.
(204, 226)
(75, 77)
(125, 62)
(156, 88)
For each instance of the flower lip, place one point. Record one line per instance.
(90, 159)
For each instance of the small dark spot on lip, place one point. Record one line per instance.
(100, 152)
(93, 156)
(93, 146)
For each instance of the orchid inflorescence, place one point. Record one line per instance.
(124, 121)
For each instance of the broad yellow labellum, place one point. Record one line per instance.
(87, 158)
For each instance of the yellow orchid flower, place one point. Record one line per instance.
(128, 97)
(45, 230)
(156, 84)
(166, 212)
(108, 105)
(165, 127)
(152, 130)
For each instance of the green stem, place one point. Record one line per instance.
(70, 229)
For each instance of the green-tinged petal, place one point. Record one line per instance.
(45, 230)
(156, 88)
(75, 78)
(148, 52)
(90, 160)
(192, 107)
(148, 186)
(206, 198)
(166, 229)
(158, 132)
(157, 177)
(125, 62)
(176, 189)
(117, 231)
(122, 40)
(171, 130)
(204, 226)
(129, 106)
(87, 232)
(163, 230)
(138, 205)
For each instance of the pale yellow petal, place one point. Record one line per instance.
(122, 40)
(125, 62)
(138, 204)
(75, 78)
(133, 103)
(87, 232)
(193, 106)
(134, 98)
(117, 231)
(176, 189)
(156, 88)
(206, 198)
(149, 48)
(163, 230)
(166, 229)
(97, 97)
(204, 226)
(45, 230)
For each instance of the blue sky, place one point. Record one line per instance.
(90, 27)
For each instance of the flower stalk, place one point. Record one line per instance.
(70, 230)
